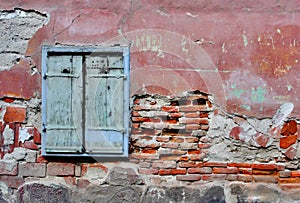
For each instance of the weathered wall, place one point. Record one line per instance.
(207, 82)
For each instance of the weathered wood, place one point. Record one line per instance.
(64, 96)
(104, 107)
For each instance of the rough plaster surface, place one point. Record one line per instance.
(16, 28)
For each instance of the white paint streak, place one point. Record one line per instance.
(245, 40)
(191, 15)
(24, 135)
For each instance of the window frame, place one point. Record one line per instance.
(86, 50)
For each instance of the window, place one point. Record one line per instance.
(85, 101)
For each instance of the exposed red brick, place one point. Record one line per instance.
(184, 158)
(60, 169)
(8, 99)
(205, 139)
(154, 120)
(41, 159)
(295, 174)
(265, 178)
(70, 180)
(164, 157)
(148, 171)
(149, 151)
(15, 114)
(163, 139)
(280, 167)
(213, 177)
(202, 170)
(193, 108)
(193, 177)
(204, 145)
(244, 178)
(140, 119)
(172, 171)
(176, 139)
(30, 145)
(263, 172)
(245, 171)
(83, 183)
(285, 142)
(197, 157)
(194, 151)
(32, 169)
(192, 115)
(175, 115)
(290, 153)
(192, 127)
(171, 121)
(135, 125)
(261, 139)
(189, 164)
(179, 152)
(189, 120)
(170, 145)
(12, 181)
(36, 136)
(289, 128)
(85, 167)
(260, 166)
(144, 108)
(135, 114)
(215, 164)
(136, 101)
(203, 121)
(225, 170)
(243, 165)
(170, 108)
(235, 132)
(204, 115)
(289, 181)
(191, 139)
(144, 156)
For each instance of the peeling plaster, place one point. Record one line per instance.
(16, 29)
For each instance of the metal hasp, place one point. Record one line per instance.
(85, 101)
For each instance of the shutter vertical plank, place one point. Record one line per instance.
(63, 99)
(104, 105)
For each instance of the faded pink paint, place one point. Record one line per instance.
(244, 53)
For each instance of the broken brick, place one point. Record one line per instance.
(261, 139)
(285, 142)
(235, 132)
(15, 114)
(290, 153)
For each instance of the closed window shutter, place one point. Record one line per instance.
(63, 118)
(104, 104)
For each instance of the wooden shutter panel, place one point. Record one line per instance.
(104, 104)
(63, 118)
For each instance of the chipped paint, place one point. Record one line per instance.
(191, 15)
(258, 94)
(183, 44)
(149, 42)
(245, 40)
(289, 87)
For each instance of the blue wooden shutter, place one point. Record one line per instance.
(105, 109)
(62, 94)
